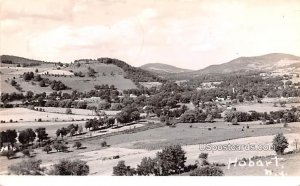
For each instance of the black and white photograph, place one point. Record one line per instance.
(171, 88)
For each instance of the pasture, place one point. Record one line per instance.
(77, 111)
(262, 107)
(183, 134)
(151, 84)
(26, 115)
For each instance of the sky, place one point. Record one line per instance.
(189, 34)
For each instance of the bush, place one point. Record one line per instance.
(68, 167)
(103, 144)
(280, 143)
(147, 167)
(27, 167)
(68, 111)
(47, 148)
(203, 155)
(207, 171)
(26, 152)
(122, 170)
(116, 157)
(77, 144)
(59, 147)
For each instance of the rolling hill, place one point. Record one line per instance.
(160, 68)
(268, 62)
(9, 59)
(76, 76)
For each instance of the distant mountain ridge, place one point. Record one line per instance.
(161, 68)
(268, 62)
(19, 60)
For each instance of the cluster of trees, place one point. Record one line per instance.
(68, 103)
(18, 64)
(43, 82)
(292, 115)
(58, 85)
(70, 129)
(91, 72)
(128, 114)
(80, 74)
(8, 97)
(97, 123)
(248, 86)
(63, 167)
(200, 115)
(8, 136)
(25, 137)
(171, 160)
(27, 76)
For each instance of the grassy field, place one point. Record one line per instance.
(106, 74)
(25, 115)
(51, 127)
(262, 107)
(199, 133)
(57, 72)
(150, 84)
(133, 147)
(9, 72)
(77, 111)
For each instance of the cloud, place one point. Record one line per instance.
(185, 33)
(44, 9)
(120, 38)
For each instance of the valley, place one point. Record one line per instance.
(118, 113)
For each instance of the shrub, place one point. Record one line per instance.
(190, 167)
(116, 157)
(218, 164)
(58, 146)
(47, 148)
(103, 144)
(68, 167)
(27, 167)
(122, 170)
(207, 171)
(77, 144)
(68, 111)
(203, 155)
(26, 152)
(147, 167)
(280, 143)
